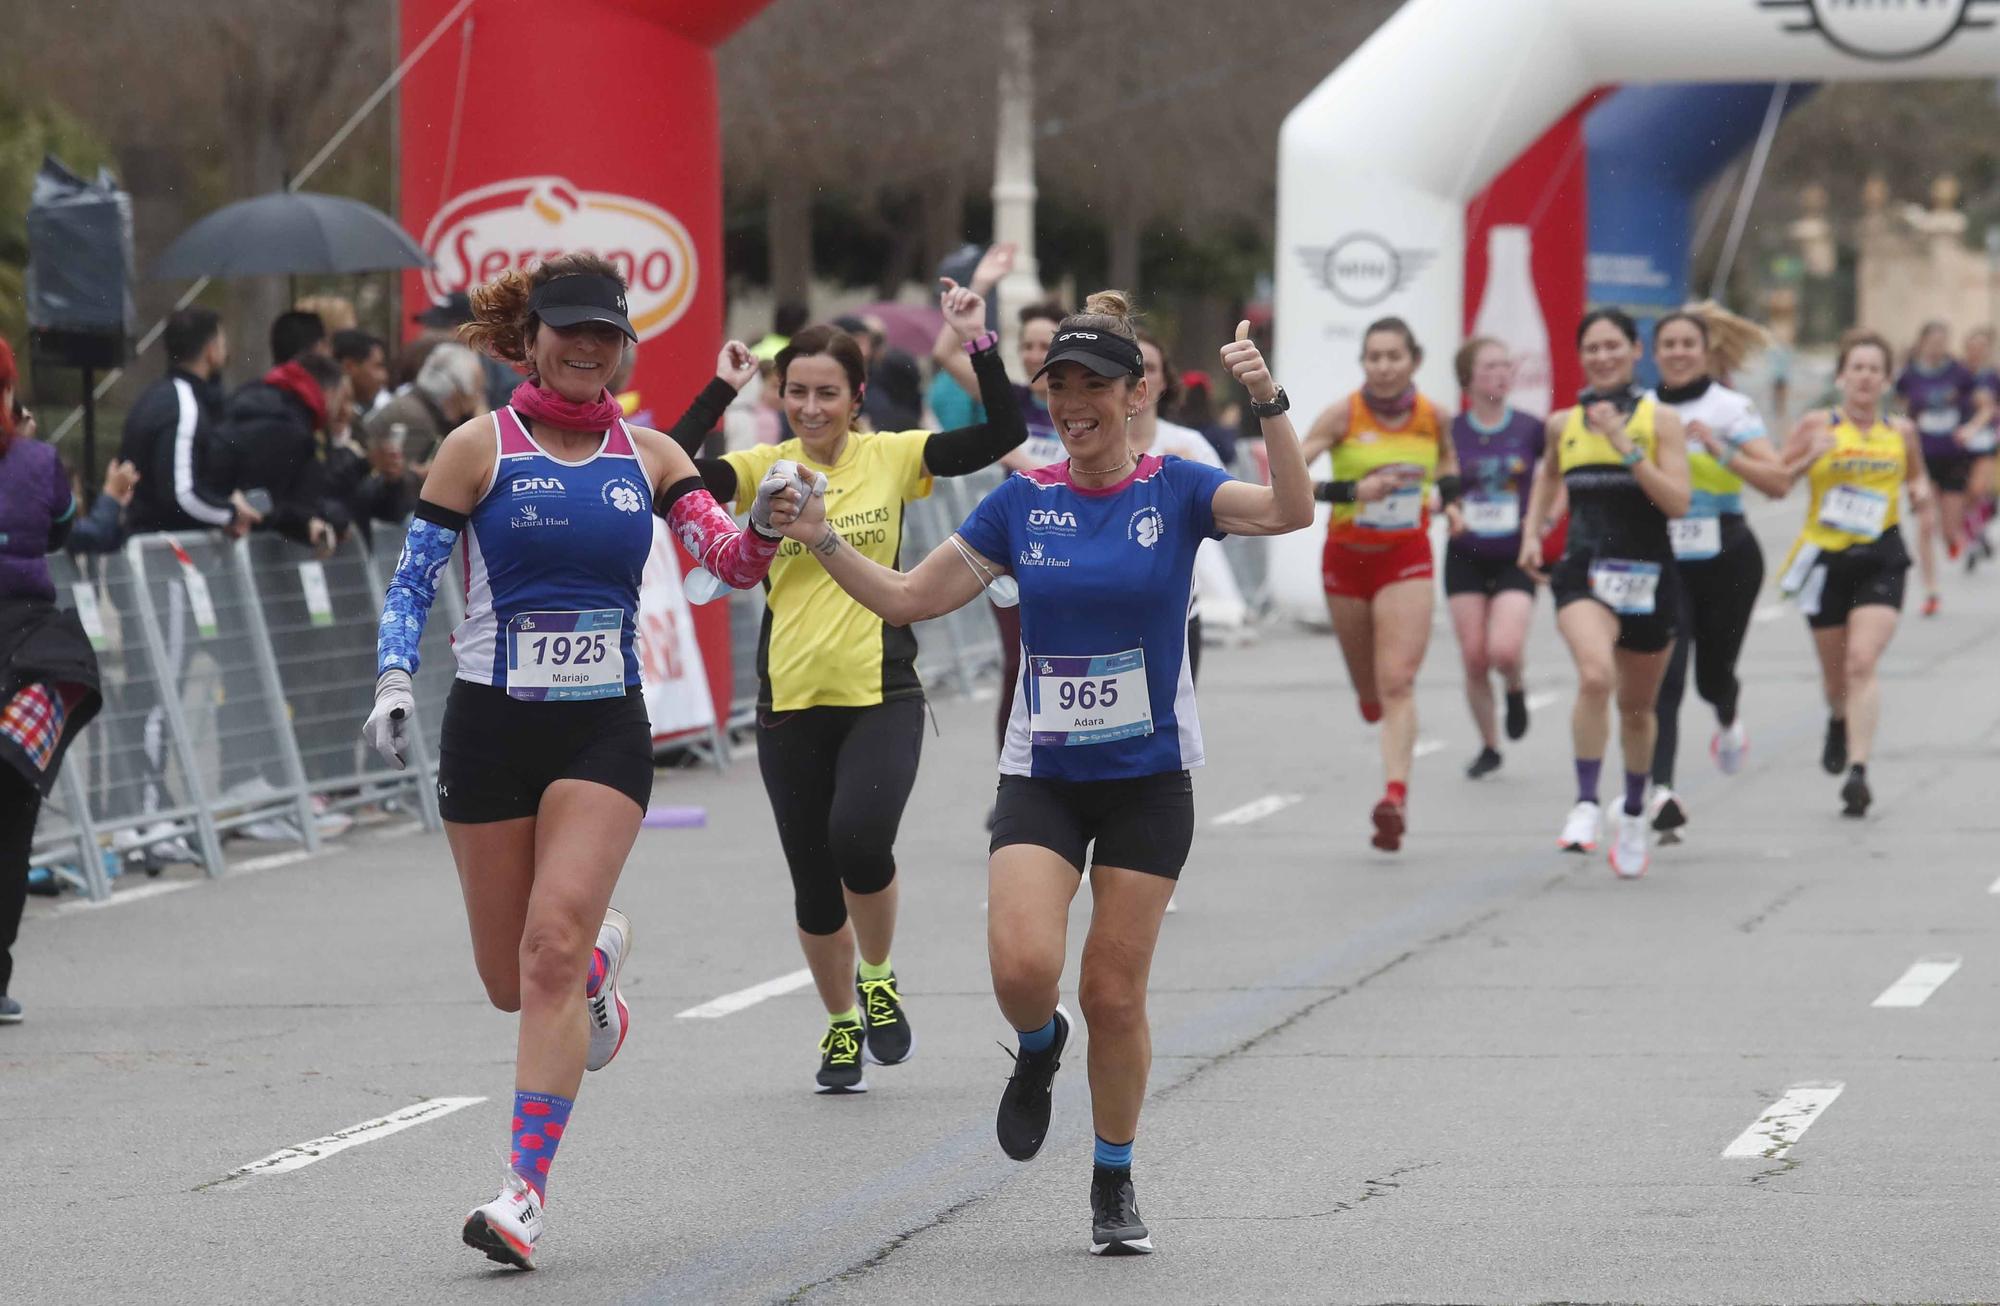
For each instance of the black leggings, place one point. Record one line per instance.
(838, 778)
(19, 803)
(1717, 598)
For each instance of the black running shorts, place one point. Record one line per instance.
(1853, 578)
(1951, 473)
(1464, 574)
(499, 753)
(1647, 632)
(1143, 824)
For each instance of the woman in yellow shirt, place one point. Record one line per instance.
(839, 706)
(1849, 563)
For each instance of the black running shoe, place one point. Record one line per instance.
(840, 1060)
(889, 1039)
(1833, 758)
(1517, 713)
(1486, 763)
(1023, 1121)
(1115, 1226)
(1855, 793)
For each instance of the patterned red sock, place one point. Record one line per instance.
(598, 970)
(1399, 793)
(539, 1121)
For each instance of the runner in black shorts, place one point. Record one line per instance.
(1849, 564)
(1623, 460)
(1490, 596)
(1102, 548)
(546, 762)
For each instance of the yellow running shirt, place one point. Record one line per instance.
(1857, 486)
(818, 647)
(1369, 445)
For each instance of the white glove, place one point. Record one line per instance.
(388, 730)
(784, 474)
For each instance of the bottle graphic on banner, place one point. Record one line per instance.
(1512, 312)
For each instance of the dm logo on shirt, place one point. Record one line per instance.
(623, 495)
(511, 224)
(1872, 29)
(1051, 521)
(525, 487)
(1146, 526)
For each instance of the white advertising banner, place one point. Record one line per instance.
(670, 665)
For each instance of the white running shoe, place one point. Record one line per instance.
(1580, 830)
(1729, 747)
(507, 1227)
(1631, 845)
(609, 1017)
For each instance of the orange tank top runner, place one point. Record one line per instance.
(1370, 445)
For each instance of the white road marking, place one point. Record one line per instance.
(1785, 1121)
(1547, 698)
(1769, 612)
(304, 1154)
(1256, 809)
(1921, 980)
(133, 894)
(1425, 747)
(270, 862)
(750, 997)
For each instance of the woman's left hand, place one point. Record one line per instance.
(1246, 363)
(963, 308)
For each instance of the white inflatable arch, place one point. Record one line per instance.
(1376, 165)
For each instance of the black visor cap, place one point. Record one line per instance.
(1100, 351)
(581, 297)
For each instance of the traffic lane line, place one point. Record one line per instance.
(730, 1003)
(1785, 1121)
(300, 1155)
(1256, 809)
(1924, 977)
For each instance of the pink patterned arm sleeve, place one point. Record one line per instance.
(736, 556)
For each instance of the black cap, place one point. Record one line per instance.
(582, 297)
(1100, 351)
(453, 310)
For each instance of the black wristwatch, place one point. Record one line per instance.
(1281, 404)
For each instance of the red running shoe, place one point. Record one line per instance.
(1388, 826)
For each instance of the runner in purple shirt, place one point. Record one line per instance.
(1491, 598)
(1937, 393)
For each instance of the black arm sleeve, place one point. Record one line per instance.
(1334, 491)
(719, 477)
(969, 448)
(701, 416)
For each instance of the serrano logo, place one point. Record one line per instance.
(1362, 269)
(510, 224)
(1876, 29)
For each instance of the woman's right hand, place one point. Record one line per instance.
(1377, 485)
(994, 265)
(804, 522)
(736, 366)
(963, 309)
(1530, 560)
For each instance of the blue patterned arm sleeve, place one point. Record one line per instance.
(412, 590)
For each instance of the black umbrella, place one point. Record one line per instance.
(290, 233)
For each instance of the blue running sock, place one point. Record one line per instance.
(1114, 1156)
(1038, 1040)
(1586, 778)
(1635, 792)
(539, 1121)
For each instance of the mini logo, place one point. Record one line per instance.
(1885, 30)
(1362, 269)
(1051, 521)
(1147, 526)
(623, 495)
(537, 485)
(485, 231)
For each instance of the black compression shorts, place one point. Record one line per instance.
(1142, 824)
(499, 753)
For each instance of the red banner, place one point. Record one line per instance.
(560, 126)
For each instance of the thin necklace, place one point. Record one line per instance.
(1118, 466)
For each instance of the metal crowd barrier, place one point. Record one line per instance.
(235, 674)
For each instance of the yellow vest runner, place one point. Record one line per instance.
(1370, 445)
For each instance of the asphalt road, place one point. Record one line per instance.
(1476, 1071)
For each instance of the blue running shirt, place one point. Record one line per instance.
(1106, 577)
(553, 555)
